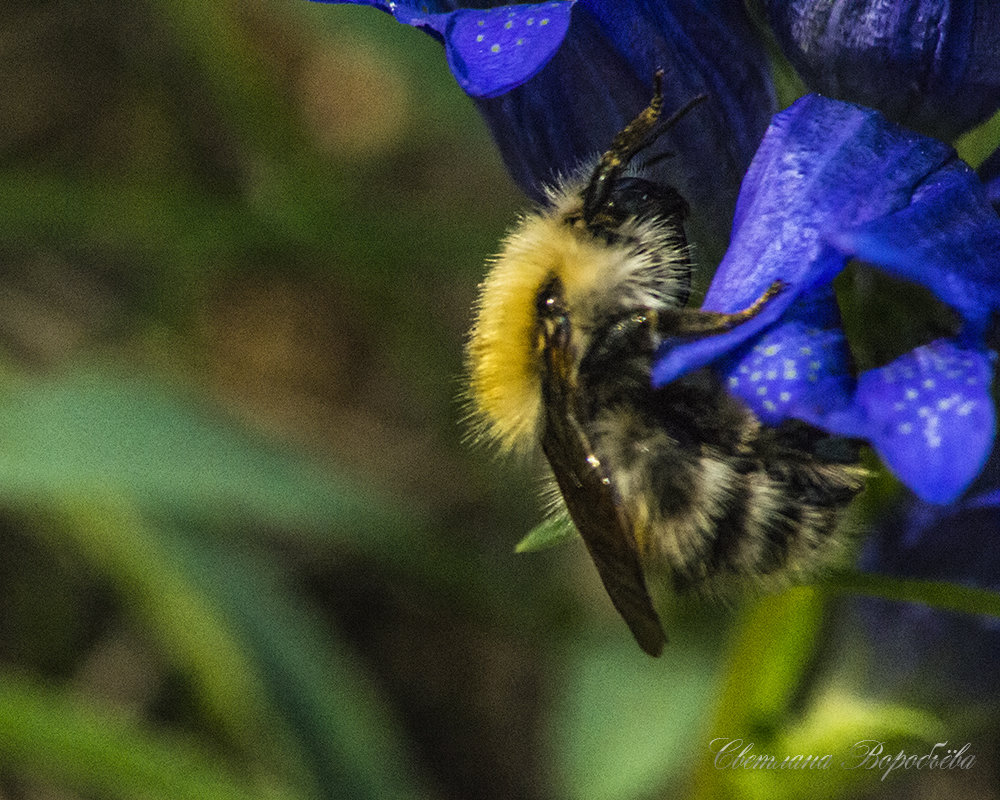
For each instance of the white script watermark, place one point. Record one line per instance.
(866, 754)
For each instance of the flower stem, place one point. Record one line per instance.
(937, 594)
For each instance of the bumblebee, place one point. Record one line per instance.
(681, 484)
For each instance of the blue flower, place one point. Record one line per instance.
(555, 94)
(922, 647)
(931, 65)
(830, 182)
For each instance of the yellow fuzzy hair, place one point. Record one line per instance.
(503, 355)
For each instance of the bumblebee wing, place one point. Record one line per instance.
(605, 528)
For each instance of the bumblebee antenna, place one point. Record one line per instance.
(634, 137)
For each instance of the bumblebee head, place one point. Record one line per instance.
(603, 245)
(565, 272)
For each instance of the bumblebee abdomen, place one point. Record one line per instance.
(720, 509)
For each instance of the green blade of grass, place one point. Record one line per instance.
(116, 543)
(287, 691)
(345, 733)
(48, 734)
(770, 653)
(179, 459)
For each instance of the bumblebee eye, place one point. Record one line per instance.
(552, 314)
(549, 302)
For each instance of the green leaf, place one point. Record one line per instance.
(550, 533)
(839, 743)
(976, 145)
(346, 734)
(51, 735)
(177, 459)
(625, 724)
(159, 592)
(86, 433)
(770, 664)
(770, 654)
(773, 646)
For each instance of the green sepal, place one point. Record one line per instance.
(550, 533)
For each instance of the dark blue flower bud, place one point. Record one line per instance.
(931, 65)
(926, 652)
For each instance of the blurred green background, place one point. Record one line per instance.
(244, 549)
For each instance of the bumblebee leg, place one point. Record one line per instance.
(758, 305)
(695, 322)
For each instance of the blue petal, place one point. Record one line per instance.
(930, 417)
(494, 50)
(831, 181)
(823, 167)
(990, 499)
(798, 368)
(932, 65)
(947, 238)
(429, 16)
(391, 7)
(489, 51)
(916, 519)
(602, 76)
